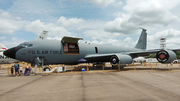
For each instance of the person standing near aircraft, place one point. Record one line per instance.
(12, 70)
(27, 71)
(20, 69)
(16, 66)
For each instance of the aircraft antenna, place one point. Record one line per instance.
(143, 28)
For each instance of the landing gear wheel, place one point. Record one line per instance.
(114, 66)
(46, 69)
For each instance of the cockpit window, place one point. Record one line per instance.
(25, 44)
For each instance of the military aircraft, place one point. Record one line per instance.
(2, 47)
(69, 51)
(7, 60)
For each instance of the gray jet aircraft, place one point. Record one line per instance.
(69, 51)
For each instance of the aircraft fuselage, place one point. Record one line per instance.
(53, 51)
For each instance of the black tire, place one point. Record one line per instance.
(116, 66)
(45, 68)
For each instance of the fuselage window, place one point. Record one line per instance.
(96, 49)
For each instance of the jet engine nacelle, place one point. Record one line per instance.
(165, 56)
(120, 59)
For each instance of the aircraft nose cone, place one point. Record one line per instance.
(12, 52)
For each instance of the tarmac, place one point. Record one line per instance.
(140, 84)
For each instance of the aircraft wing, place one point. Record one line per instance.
(125, 57)
(175, 50)
(144, 53)
(106, 57)
(42, 36)
(148, 52)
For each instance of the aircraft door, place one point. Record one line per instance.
(70, 45)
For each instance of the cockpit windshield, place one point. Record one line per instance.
(25, 44)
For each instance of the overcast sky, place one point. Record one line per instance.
(113, 22)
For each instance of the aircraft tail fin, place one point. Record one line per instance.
(42, 36)
(2, 47)
(141, 44)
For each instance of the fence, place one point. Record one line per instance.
(104, 68)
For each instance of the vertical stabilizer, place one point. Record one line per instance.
(141, 44)
(42, 36)
(2, 47)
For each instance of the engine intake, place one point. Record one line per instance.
(120, 59)
(165, 56)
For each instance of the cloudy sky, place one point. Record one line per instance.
(113, 22)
